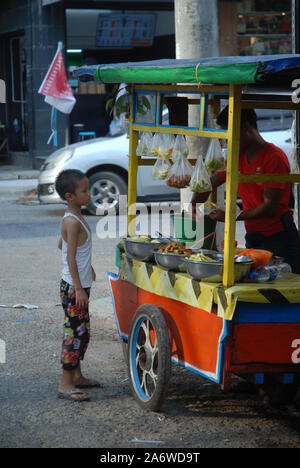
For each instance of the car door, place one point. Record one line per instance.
(150, 186)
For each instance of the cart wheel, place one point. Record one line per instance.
(149, 357)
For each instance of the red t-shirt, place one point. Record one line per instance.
(271, 160)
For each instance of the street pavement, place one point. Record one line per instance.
(196, 414)
(17, 182)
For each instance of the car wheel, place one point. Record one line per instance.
(105, 189)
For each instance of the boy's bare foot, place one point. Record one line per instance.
(82, 382)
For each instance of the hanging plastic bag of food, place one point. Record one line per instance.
(200, 180)
(144, 146)
(161, 169)
(166, 145)
(155, 143)
(180, 173)
(180, 147)
(214, 160)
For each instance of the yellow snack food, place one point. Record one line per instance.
(201, 257)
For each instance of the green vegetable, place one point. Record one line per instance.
(200, 185)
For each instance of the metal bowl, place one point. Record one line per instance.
(141, 250)
(170, 261)
(212, 272)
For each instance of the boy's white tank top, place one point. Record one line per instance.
(83, 258)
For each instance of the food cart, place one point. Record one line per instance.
(214, 329)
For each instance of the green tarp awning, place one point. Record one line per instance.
(218, 70)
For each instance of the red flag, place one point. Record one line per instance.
(55, 86)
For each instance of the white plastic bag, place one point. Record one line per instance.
(144, 146)
(200, 180)
(154, 148)
(161, 169)
(166, 145)
(180, 173)
(117, 126)
(180, 147)
(214, 160)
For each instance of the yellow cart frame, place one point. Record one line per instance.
(237, 101)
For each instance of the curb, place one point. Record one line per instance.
(18, 175)
(15, 189)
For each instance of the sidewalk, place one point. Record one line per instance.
(17, 182)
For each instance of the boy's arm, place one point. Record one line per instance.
(60, 243)
(73, 230)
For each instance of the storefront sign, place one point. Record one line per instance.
(131, 30)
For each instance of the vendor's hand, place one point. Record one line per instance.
(218, 215)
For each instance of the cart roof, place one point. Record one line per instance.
(277, 70)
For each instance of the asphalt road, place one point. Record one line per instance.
(196, 414)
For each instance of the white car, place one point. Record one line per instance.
(105, 162)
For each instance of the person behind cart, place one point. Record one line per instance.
(266, 210)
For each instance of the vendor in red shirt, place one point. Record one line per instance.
(266, 213)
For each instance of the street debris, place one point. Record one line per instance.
(52, 321)
(28, 320)
(147, 441)
(20, 306)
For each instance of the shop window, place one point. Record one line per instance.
(264, 27)
(145, 107)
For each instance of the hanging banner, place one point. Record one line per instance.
(55, 86)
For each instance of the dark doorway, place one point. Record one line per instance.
(17, 117)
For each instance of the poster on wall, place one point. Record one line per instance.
(125, 30)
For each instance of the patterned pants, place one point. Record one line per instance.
(76, 328)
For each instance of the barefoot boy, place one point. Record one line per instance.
(77, 277)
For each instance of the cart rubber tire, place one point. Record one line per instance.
(149, 357)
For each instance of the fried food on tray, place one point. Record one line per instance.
(175, 248)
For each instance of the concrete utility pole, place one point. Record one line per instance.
(197, 35)
(196, 28)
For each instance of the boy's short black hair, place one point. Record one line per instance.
(67, 181)
(247, 115)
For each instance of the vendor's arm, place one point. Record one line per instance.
(198, 198)
(266, 209)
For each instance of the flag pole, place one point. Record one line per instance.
(54, 112)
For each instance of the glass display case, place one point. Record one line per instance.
(264, 27)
